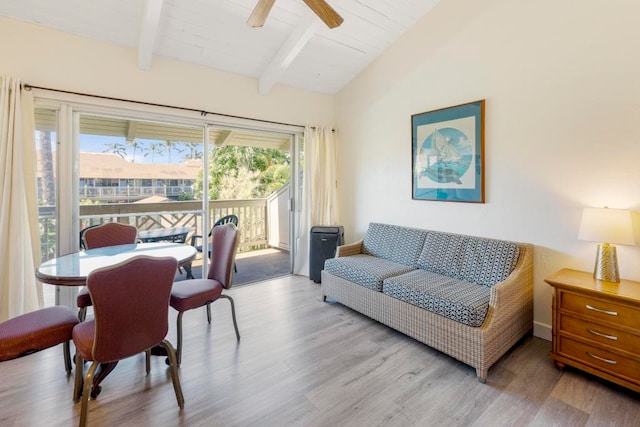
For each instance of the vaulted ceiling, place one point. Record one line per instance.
(293, 48)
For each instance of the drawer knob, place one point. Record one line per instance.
(602, 359)
(600, 334)
(599, 310)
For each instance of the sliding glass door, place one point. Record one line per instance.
(98, 164)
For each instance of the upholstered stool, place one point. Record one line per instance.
(36, 331)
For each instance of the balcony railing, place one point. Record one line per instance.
(132, 192)
(252, 219)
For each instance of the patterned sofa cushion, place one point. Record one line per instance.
(473, 259)
(442, 253)
(364, 270)
(394, 243)
(461, 301)
(488, 261)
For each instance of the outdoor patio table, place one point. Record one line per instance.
(169, 234)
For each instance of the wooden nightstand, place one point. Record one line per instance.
(596, 326)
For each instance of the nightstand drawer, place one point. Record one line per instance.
(600, 359)
(599, 333)
(601, 309)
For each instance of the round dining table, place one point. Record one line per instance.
(73, 269)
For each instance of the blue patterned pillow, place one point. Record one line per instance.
(394, 243)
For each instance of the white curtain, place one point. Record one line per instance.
(319, 191)
(20, 292)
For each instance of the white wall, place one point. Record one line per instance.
(561, 80)
(50, 58)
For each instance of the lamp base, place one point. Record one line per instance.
(606, 267)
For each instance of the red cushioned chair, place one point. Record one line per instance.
(130, 304)
(37, 330)
(99, 236)
(189, 294)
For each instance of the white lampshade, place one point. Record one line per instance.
(604, 225)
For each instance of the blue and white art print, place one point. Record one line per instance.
(448, 154)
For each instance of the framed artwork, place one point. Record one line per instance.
(448, 154)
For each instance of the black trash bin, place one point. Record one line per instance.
(322, 246)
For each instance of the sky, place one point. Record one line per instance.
(101, 144)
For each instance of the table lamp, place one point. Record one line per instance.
(607, 227)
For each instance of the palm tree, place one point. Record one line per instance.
(134, 144)
(46, 160)
(116, 148)
(172, 145)
(154, 149)
(194, 152)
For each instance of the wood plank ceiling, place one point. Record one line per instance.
(293, 48)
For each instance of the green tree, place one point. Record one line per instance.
(239, 184)
(275, 177)
(46, 160)
(154, 149)
(231, 165)
(194, 150)
(116, 148)
(172, 146)
(135, 145)
(182, 197)
(84, 202)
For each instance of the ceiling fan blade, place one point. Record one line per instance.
(260, 13)
(325, 12)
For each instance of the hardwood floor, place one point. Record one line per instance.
(303, 362)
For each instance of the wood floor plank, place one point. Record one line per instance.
(305, 362)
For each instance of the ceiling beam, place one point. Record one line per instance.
(148, 32)
(223, 138)
(289, 50)
(132, 127)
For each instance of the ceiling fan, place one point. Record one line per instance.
(319, 7)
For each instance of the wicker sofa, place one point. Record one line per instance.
(469, 297)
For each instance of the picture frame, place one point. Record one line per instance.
(447, 159)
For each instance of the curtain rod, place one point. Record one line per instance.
(203, 113)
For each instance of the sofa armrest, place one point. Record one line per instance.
(513, 298)
(350, 249)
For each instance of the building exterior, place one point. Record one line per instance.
(108, 178)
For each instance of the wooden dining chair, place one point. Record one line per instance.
(130, 303)
(99, 236)
(189, 294)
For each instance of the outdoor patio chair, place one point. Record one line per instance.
(190, 294)
(224, 220)
(99, 236)
(131, 302)
(84, 230)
